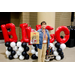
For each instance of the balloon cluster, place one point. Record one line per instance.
(11, 50)
(15, 50)
(58, 51)
(22, 50)
(34, 52)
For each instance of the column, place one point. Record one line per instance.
(49, 17)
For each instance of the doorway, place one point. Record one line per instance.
(4, 18)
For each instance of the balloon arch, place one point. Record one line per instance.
(15, 49)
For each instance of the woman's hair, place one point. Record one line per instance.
(43, 22)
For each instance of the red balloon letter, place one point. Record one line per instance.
(57, 34)
(47, 27)
(28, 30)
(6, 33)
(24, 35)
(52, 38)
(38, 27)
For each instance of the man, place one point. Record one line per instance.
(44, 40)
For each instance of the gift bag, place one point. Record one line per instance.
(34, 38)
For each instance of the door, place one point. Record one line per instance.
(4, 18)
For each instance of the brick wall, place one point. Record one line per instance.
(62, 18)
(33, 19)
(24, 18)
(15, 18)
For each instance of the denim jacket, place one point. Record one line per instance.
(41, 38)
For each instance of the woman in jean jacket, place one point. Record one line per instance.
(44, 42)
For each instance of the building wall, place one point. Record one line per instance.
(54, 19)
(33, 19)
(18, 18)
(49, 17)
(24, 19)
(62, 18)
(15, 18)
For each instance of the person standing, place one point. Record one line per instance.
(44, 42)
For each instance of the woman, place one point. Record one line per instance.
(44, 40)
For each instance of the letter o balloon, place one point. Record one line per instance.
(57, 34)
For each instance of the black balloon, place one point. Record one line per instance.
(27, 48)
(24, 44)
(35, 48)
(10, 57)
(7, 44)
(34, 56)
(62, 56)
(57, 45)
(13, 52)
(9, 48)
(26, 56)
(24, 53)
(59, 50)
(34, 45)
(61, 53)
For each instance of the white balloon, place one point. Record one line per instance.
(18, 52)
(8, 53)
(51, 44)
(21, 49)
(33, 51)
(15, 48)
(58, 57)
(62, 46)
(36, 54)
(21, 57)
(33, 47)
(55, 49)
(55, 53)
(15, 56)
(12, 44)
(19, 44)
